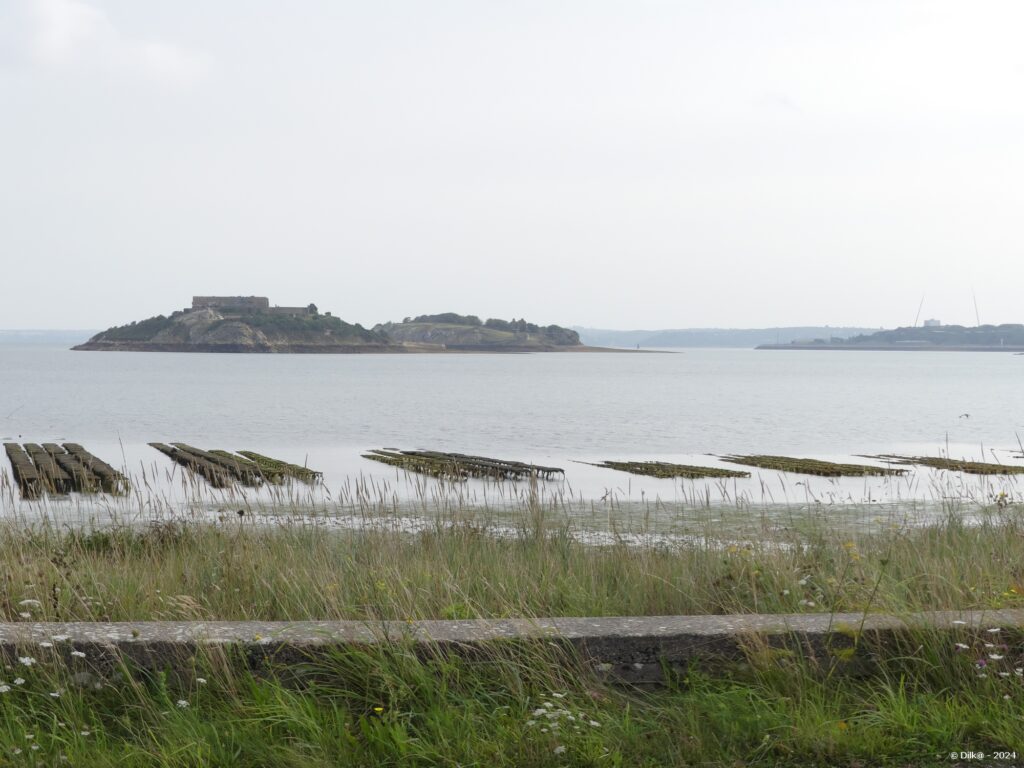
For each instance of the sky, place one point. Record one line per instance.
(631, 164)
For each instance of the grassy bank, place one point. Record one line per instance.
(533, 707)
(239, 570)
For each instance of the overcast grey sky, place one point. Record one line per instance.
(613, 164)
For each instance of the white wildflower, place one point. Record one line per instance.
(539, 712)
(785, 592)
(993, 630)
(1019, 671)
(25, 615)
(595, 723)
(531, 722)
(995, 657)
(1006, 696)
(962, 647)
(30, 603)
(19, 681)
(85, 733)
(45, 644)
(55, 694)
(4, 687)
(548, 704)
(558, 695)
(78, 654)
(200, 680)
(60, 638)
(559, 750)
(182, 704)
(35, 747)
(1004, 674)
(957, 621)
(28, 661)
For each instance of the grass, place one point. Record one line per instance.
(390, 706)
(536, 706)
(238, 569)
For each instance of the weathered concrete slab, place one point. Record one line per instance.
(636, 649)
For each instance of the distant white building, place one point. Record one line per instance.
(932, 323)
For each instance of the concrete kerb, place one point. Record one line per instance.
(634, 649)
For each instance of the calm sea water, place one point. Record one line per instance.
(544, 408)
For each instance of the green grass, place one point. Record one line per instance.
(142, 330)
(388, 706)
(240, 570)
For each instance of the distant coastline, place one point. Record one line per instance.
(891, 348)
(928, 338)
(712, 338)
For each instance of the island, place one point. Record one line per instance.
(933, 336)
(468, 333)
(251, 324)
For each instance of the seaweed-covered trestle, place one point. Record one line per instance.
(54, 477)
(240, 469)
(50, 468)
(812, 466)
(82, 478)
(275, 468)
(953, 465)
(665, 469)
(110, 479)
(215, 475)
(222, 469)
(30, 483)
(460, 466)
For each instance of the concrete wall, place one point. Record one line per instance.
(636, 650)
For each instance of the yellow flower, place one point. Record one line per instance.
(378, 710)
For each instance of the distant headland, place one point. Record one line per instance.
(251, 324)
(933, 336)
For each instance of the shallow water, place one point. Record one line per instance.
(553, 409)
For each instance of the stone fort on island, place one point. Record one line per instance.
(247, 305)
